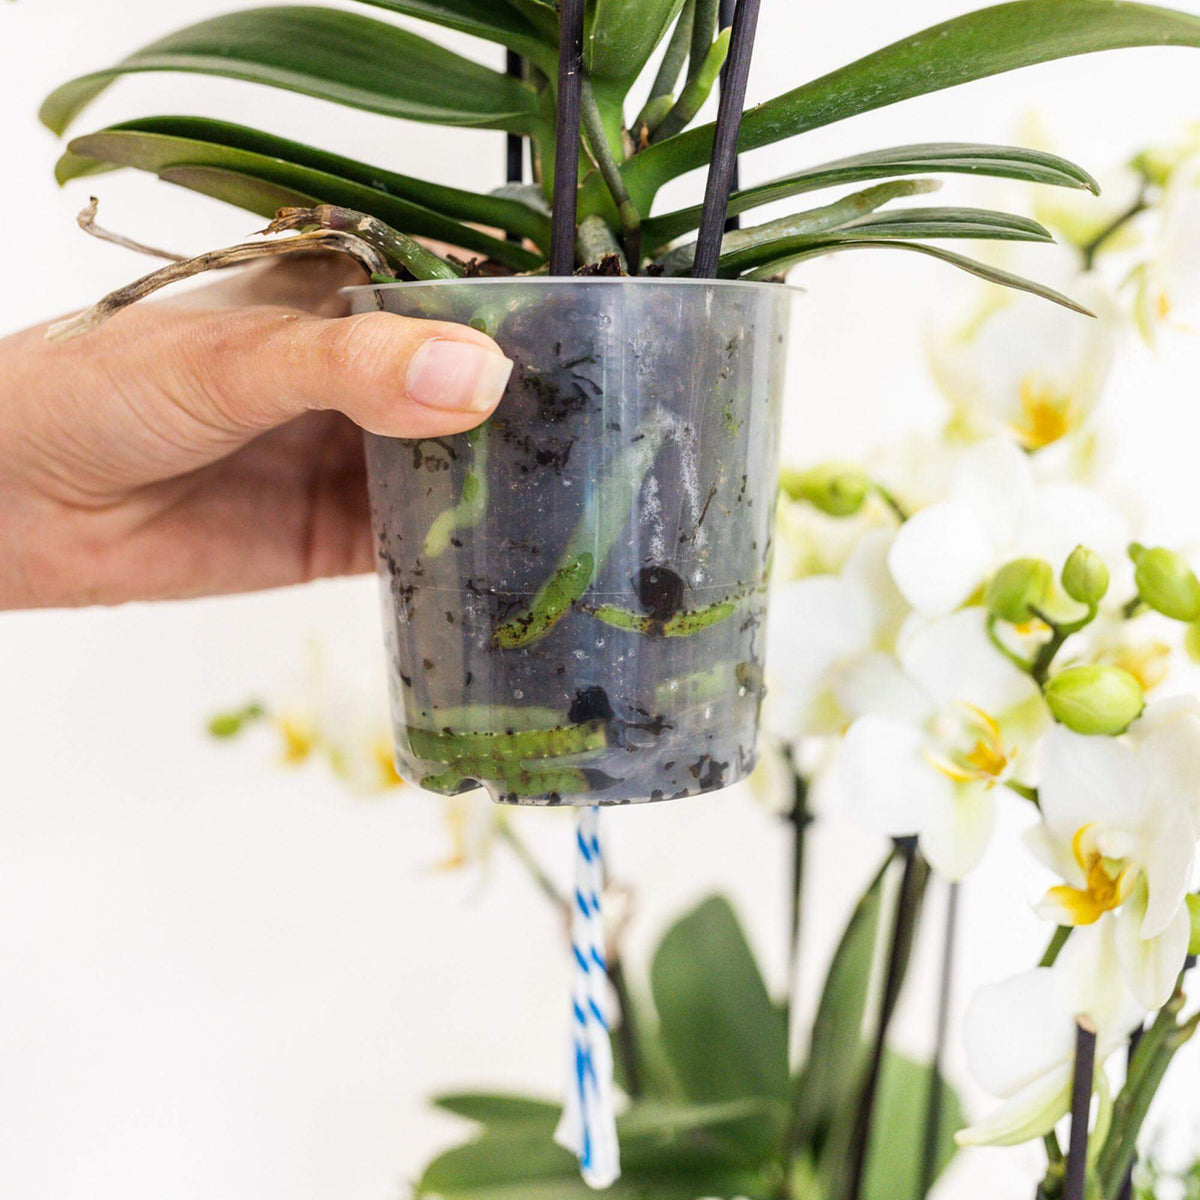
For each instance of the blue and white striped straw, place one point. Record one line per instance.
(589, 1126)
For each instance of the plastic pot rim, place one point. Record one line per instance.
(551, 281)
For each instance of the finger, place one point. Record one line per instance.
(311, 282)
(390, 374)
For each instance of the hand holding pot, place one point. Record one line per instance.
(209, 445)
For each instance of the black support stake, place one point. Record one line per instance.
(566, 137)
(1081, 1103)
(724, 20)
(725, 139)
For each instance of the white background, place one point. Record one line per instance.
(224, 981)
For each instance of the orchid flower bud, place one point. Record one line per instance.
(1085, 577)
(1193, 907)
(1019, 587)
(1095, 699)
(1166, 582)
(839, 489)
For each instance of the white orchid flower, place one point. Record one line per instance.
(1168, 285)
(818, 626)
(938, 727)
(1119, 825)
(996, 511)
(1011, 368)
(1020, 1035)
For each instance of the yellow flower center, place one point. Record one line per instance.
(1109, 881)
(981, 756)
(1047, 414)
(1148, 663)
(299, 739)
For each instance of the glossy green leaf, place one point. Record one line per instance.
(495, 22)
(724, 1037)
(806, 224)
(499, 1110)
(965, 158)
(829, 1078)
(897, 1146)
(978, 44)
(621, 35)
(327, 53)
(977, 223)
(983, 271)
(409, 205)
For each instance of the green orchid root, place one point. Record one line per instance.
(606, 513)
(472, 503)
(682, 624)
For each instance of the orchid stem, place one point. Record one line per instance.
(904, 928)
(1057, 942)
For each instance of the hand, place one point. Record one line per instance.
(210, 444)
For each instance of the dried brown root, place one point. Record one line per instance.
(87, 222)
(320, 239)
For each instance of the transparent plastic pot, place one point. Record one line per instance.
(574, 594)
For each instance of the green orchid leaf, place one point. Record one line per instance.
(724, 1037)
(498, 1110)
(808, 223)
(966, 158)
(332, 55)
(151, 143)
(621, 35)
(977, 223)
(484, 19)
(981, 270)
(898, 1132)
(672, 1152)
(830, 1077)
(987, 42)
(183, 151)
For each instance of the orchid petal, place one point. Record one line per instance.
(1085, 780)
(956, 834)
(940, 556)
(994, 480)
(1029, 1114)
(1151, 965)
(884, 781)
(952, 658)
(1015, 1032)
(1167, 854)
(876, 683)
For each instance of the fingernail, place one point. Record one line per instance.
(457, 375)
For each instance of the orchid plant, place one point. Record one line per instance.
(630, 150)
(996, 637)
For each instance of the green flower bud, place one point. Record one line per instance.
(1166, 582)
(1095, 699)
(1193, 904)
(1191, 641)
(1018, 585)
(1084, 576)
(839, 489)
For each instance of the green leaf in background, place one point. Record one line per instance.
(329, 54)
(621, 35)
(1005, 162)
(971, 266)
(668, 1152)
(724, 1037)
(897, 1147)
(190, 155)
(974, 46)
(829, 1079)
(495, 22)
(498, 1110)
